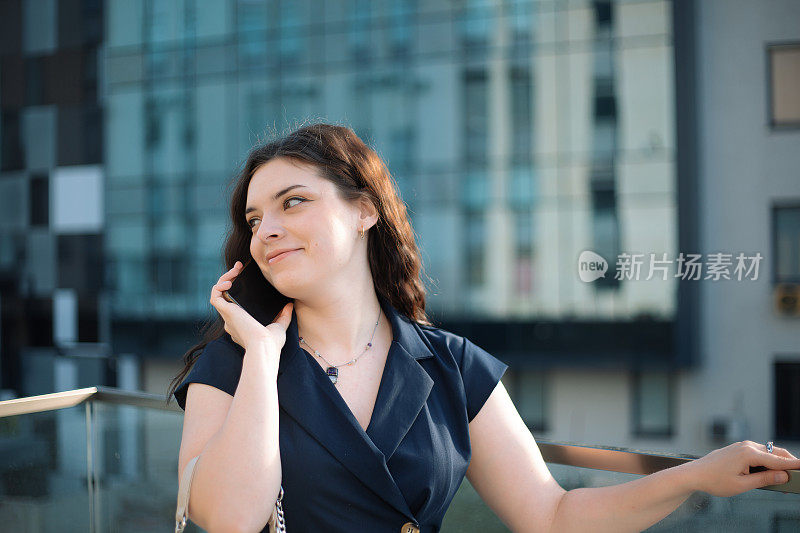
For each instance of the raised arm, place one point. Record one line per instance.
(510, 475)
(238, 475)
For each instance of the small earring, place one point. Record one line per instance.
(361, 232)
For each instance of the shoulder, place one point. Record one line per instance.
(479, 370)
(225, 343)
(443, 343)
(222, 350)
(447, 344)
(219, 365)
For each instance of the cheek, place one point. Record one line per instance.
(332, 243)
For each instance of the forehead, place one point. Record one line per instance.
(279, 173)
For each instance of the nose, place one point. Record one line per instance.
(268, 229)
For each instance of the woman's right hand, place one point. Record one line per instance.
(245, 330)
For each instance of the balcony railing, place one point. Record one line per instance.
(101, 459)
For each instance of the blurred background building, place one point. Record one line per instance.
(520, 133)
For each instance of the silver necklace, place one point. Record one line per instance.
(333, 370)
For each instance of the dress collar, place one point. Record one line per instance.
(404, 333)
(307, 395)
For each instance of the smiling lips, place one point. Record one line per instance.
(280, 256)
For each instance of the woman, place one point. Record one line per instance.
(381, 414)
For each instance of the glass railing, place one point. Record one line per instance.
(101, 459)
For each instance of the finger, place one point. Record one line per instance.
(774, 461)
(285, 316)
(783, 452)
(225, 281)
(232, 273)
(764, 479)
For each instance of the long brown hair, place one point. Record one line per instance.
(357, 172)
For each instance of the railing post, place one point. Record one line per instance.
(90, 481)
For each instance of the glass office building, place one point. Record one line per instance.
(52, 298)
(520, 133)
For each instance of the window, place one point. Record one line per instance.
(359, 34)
(401, 150)
(786, 243)
(11, 148)
(602, 17)
(169, 273)
(80, 135)
(152, 126)
(521, 89)
(784, 84)
(39, 323)
(88, 318)
(476, 22)
(523, 246)
(39, 201)
(530, 398)
(400, 26)
(80, 262)
(521, 193)
(605, 227)
(653, 403)
(521, 21)
(787, 400)
(474, 247)
(34, 81)
(252, 26)
(476, 116)
(475, 190)
(290, 42)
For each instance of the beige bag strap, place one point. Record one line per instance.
(184, 487)
(276, 519)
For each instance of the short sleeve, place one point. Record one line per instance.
(218, 365)
(480, 372)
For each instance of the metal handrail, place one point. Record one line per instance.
(71, 398)
(608, 458)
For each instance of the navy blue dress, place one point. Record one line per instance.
(412, 458)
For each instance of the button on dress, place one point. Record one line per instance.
(404, 470)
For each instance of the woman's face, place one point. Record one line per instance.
(310, 218)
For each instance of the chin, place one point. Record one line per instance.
(288, 282)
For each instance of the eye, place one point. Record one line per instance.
(293, 198)
(250, 221)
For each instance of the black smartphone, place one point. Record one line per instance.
(252, 292)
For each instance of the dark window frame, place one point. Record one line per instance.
(778, 405)
(774, 208)
(542, 426)
(636, 429)
(774, 125)
(39, 200)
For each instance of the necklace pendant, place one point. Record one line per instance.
(333, 373)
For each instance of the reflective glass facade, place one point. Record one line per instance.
(520, 133)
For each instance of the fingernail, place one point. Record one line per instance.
(781, 477)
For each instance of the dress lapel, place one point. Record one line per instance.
(306, 393)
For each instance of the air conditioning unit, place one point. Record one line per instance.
(787, 299)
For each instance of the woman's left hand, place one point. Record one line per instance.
(726, 471)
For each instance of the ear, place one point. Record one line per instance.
(368, 214)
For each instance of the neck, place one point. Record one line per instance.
(340, 326)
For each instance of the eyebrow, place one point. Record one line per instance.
(277, 195)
